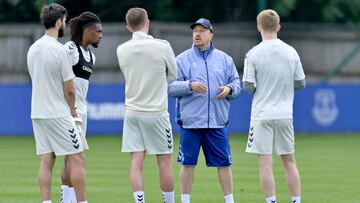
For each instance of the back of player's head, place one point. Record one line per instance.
(269, 20)
(51, 13)
(136, 18)
(80, 23)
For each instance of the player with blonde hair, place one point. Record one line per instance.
(272, 70)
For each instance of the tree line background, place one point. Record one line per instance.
(311, 11)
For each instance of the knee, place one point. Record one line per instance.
(78, 159)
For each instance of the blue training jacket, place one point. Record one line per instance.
(214, 69)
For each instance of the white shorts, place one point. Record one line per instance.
(147, 131)
(59, 135)
(264, 135)
(82, 130)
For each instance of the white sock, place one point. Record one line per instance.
(46, 201)
(72, 195)
(229, 198)
(65, 196)
(271, 199)
(139, 197)
(168, 197)
(83, 202)
(295, 199)
(185, 198)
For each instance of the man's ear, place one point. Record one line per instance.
(129, 28)
(58, 23)
(258, 27)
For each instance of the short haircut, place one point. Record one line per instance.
(269, 20)
(51, 13)
(136, 18)
(80, 23)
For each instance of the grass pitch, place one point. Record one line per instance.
(329, 167)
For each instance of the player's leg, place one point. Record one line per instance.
(66, 141)
(67, 190)
(285, 147)
(65, 182)
(165, 166)
(216, 148)
(266, 176)
(136, 178)
(292, 177)
(47, 162)
(226, 181)
(132, 141)
(47, 157)
(260, 142)
(186, 180)
(78, 175)
(190, 143)
(157, 136)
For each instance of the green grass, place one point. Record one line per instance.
(329, 166)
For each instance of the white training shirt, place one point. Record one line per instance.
(148, 65)
(81, 85)
(272, 66)
(49, 66)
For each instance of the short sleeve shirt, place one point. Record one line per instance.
(272, 66)
(49, 67)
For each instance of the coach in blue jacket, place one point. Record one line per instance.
(207, 79)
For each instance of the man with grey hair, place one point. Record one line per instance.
(207, 80)
(272, 71)
(148, 65)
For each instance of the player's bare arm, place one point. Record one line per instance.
(69, 90)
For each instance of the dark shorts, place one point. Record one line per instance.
(214, 142)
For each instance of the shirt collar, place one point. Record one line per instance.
(140, 35)
(206, 52)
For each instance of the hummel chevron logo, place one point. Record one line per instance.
(75, 141)
(72, 131)
(251, 139)
(167, 130)
(252, 128)
(273, 201)
(249, 145)
(294, 201)
(169, 146)
(76, 146)
(140, 198)
(251, 134)
(169, 141)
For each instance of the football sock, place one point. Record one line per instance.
(295, 199)
(46, 201)
(185, 198)
(229, 198)
(139, 197)
(168, 197)
(72, 195)
(271, 199)
(65, 196)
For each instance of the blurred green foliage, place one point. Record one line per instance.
(339, 11)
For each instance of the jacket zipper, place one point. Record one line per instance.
(208, 85)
